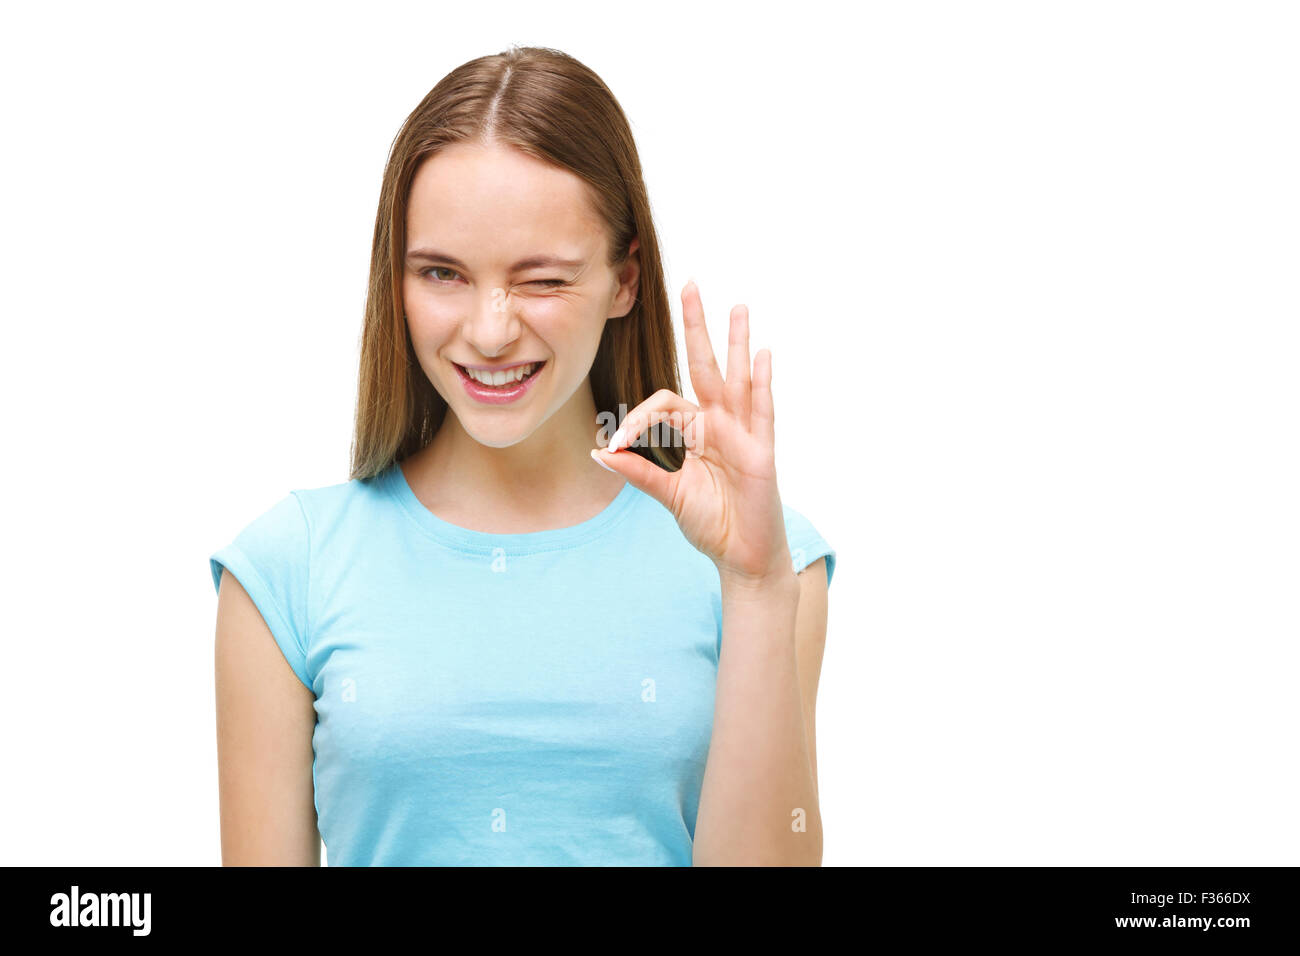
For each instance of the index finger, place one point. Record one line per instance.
(706, 377)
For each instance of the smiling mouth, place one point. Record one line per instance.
(503, 380)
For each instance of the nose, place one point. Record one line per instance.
(492, 326)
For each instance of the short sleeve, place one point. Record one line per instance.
(806, 543)
(271, 559)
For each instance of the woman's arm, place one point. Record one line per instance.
(758, 804)
(265, 720)
(810, 646)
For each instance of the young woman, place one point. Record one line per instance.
(498, 652)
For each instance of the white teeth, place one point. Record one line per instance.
(501, 378)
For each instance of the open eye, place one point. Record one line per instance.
(425, 272)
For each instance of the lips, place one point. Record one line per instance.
(502, 377)
(499, 386)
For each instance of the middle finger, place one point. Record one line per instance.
(737, 385)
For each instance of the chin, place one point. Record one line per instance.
(501, 436)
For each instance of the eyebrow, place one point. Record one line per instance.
(530, 262)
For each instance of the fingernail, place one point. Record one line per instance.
(616, 442)
(595, 456)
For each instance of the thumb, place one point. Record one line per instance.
(641, 474)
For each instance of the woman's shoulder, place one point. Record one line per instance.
(807, 544)
(295, 513)
(323, 501)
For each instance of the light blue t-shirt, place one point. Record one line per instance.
(495, 699)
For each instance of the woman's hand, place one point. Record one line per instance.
(724, 497)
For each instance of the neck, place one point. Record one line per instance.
(547, 480)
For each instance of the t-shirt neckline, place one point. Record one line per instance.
(394, 482)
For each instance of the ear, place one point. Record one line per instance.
(628, 282)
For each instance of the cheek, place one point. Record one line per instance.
(561, 321)
(549, 312)
(431, 324)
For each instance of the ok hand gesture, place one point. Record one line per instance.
(724, 497)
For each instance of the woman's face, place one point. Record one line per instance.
(506, 274)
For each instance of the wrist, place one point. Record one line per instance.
(779, 583)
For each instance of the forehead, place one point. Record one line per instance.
(490, 205)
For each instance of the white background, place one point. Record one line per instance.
(1029, 275)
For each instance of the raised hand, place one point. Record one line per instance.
(724, 496)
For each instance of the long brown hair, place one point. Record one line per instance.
(550, 106)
